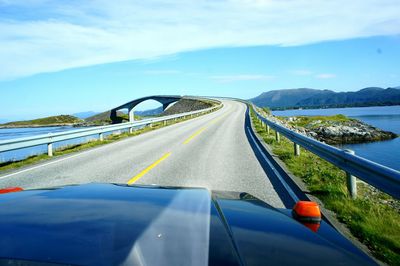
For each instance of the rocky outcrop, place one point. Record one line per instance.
(353, 131)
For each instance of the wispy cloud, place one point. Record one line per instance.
(41, 36)
(325, 76)
(233, 78)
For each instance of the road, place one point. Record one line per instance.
(210, 151)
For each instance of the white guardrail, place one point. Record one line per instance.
(50, 138)
(379, 176)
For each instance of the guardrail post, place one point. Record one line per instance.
(351, 180)
(267, 127)
(296, 149)
(130, 130)
(165, 122)
(277, 136)
(50, 149)
(101, 137)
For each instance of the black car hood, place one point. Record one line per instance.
(106, 224)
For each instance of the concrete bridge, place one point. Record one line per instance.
(165, 100)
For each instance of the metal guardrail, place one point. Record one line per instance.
(50, 138)
(379, 176)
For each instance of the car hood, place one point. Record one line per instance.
(108, 224)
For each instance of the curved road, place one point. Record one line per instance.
(209, 151)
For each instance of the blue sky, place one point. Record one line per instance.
(61, 57)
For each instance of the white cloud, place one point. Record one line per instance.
(233, 78)
(43, 36)
(325, 76)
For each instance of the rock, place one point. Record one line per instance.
(351, 132)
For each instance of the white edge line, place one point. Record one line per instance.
(287, 187)
(52, 162)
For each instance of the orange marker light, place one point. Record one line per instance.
(10, 189)
(312, 226)
(308, 213)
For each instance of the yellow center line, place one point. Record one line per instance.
(218, 118)
(138, 176)
(204, 128)
(194, 135)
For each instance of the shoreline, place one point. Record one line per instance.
(35, 126)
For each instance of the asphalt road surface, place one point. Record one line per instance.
(209, 151)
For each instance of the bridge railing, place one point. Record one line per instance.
(50, 138)
(379, 176)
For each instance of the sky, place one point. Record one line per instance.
(63, 57)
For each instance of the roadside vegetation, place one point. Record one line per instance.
(267, 110)
(83, 146)
(374, 217)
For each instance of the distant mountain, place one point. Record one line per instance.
(151, 112)
(308, 98)
(286, 98)
(83, 115)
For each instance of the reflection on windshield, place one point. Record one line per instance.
(183, 227)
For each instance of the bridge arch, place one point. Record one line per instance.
(163, 99)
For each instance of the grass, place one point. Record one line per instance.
(369, 218)
(314, 121)
(83, 146)
(267, 110)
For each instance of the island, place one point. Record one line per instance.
(333, 130)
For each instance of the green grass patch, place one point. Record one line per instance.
(369, 218)
(267, 110)
(313, 121)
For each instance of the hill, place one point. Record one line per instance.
(312, 98)
(59, 120)
(104, 118)
(187, 105)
